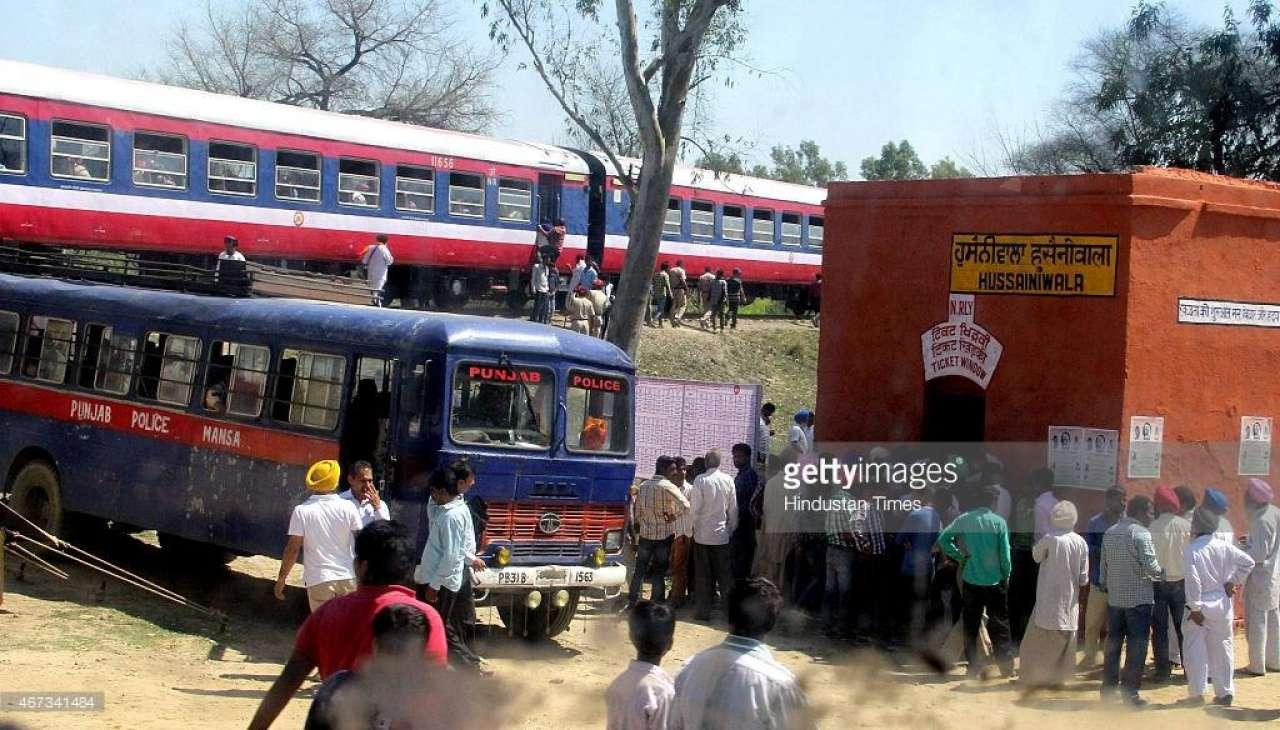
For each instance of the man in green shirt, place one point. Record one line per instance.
(979, 541)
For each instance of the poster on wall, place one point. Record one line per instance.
(1255, 446)
(1083, 457)
(1146, 446)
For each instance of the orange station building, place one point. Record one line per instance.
(1047, 309)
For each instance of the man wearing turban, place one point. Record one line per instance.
(1170, 534)
(1216, 502)
(1048, 648)
(1262, 591)
(1214, 568)
(323, 529)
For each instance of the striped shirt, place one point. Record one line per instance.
(656, 500)
(1129, 565)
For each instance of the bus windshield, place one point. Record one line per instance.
(503, 407)
(599, 413)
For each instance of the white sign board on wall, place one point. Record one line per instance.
(689, 418)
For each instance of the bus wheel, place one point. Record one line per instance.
(199, 555)
(37, 497)
(542, 622)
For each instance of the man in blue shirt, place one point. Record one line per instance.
(915, 540)
(742, 544)
(449, 553)
(1095, 617)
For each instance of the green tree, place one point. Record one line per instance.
(896, 162)
(722, 163)
(947, 168)
(803, 165)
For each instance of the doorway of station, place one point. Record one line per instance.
(955, 410)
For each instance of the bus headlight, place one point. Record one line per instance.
(502, 557)
(533, 600)
(597, 557)
(613, 541)
(560, 599)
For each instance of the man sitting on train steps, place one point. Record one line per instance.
(322, 529)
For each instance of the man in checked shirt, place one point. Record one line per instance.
(658, 504)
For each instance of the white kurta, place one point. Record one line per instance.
(1208, 649)
(1064, 567)
(1262, 591)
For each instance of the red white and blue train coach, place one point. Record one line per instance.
(99, 162)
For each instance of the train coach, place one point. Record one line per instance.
(99, 162)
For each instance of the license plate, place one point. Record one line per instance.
(583, 576)
(513, 578)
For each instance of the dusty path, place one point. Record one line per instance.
(164, 667)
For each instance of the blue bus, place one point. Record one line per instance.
(197, 416)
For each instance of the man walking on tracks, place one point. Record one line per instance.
(734, 292)
(377, 261)
(323, 530)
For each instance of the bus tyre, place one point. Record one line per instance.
(37, 496)
(542, 622)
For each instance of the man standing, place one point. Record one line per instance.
(339, 635)
(575, 276)
(738, 685)
(764, 434)
(661, 293)
(599, 305)
(1022, 539)
(581, 312)
(679, 293)
(230, 252)
(641, 697)
(704, 289)
(1214, 569)
(715, 516)
(1095, 617)
(682, 541)
(590, 275)
(1216, 502)
(1170, 533)
(1048, 653)
(979, 541)
(323, 530)
(1128, 570)
(539, 283)
(734, 293)
(448, 554)
(377, 262)
(798, 436)
(363, 493)
(742, 545)
(915, 539)
(659, 503)
(1042, 486)
(1262, 592)
(713, 313)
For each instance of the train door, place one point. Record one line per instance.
(549, 197)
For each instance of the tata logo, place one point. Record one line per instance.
(549, 523)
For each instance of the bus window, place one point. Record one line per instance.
(107, 362)
(309, 389)
(790, 229)
(169, 364)
(8, 340)
(762, 227)
(671, 225)
(236, 379)
(732, 223)
(815, 231)
(599, 413)
(502, 407)
(48, 350)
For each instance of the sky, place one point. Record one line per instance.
(848, 74)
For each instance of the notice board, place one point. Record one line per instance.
(689, 418)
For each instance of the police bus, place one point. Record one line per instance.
(197, 416)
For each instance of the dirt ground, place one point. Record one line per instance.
(162, 666)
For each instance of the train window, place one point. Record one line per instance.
(790, 229)
(415, 188)
(672, 224)
(159, 160)
(107, 362)
(762, 226)
(169, 364)
(233, 169)
(815, 231)
(13, 145)
(732, 223)
(466, 195)
(702, 219)
(80, 151)
(8, 340)
(298, 176)
(358, 183)
(236, 379)
(309, 389)
(49, 344)
(515, 200)
(599, 413)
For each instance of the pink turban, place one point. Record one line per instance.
(1166, 500)
(1260, 492)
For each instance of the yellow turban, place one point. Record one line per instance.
(322, 477)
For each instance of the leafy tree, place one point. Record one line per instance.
(896, 162)
(804, 165)
(678, 48)
(380, 58)
(723, 163)
(947, 168)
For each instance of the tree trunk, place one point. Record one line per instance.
(644, 237)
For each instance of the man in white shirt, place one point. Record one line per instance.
(714, 502)
(738, 685)
(539, 283)
(682, 544)
(575, 276)
(764, 434)
(1048, 652)
(798, 436)
(642, 696)
(1262, 591)
(363, 494)
(1042, 486)
(230, 251)
(1216, 502)
(1214, 570)
(1170, 533)
(377, 261)
(323, 529)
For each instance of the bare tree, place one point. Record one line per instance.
(380, 58)
(683, 44)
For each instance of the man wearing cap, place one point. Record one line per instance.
(1216, 502)
(581, 311)
(1170, 533)
(1214, 568)
(377, 261)
(323, 530)
(1262, 591)
(1048, 654)
(600, 303)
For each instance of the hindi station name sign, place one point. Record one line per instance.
(960, 348)
(1048, 264)
(1240, 314)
